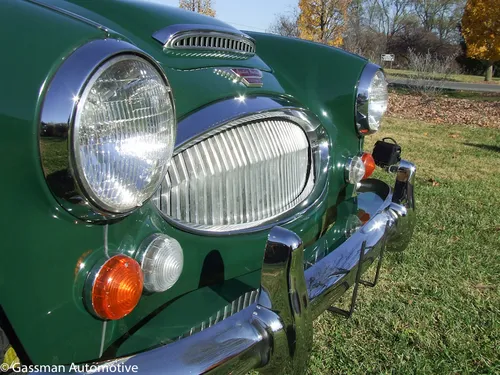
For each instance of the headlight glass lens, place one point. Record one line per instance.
(355, 170)
(124, 134)
(377, 100)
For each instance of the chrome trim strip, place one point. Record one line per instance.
(218, 117)
(73, 15)
(57, 117)
(362, 95)
(222, 39)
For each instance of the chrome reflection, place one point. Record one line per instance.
(362, 96)
(284, 284)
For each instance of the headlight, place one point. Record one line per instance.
(371, 100)
(124, 134)
(108, 129)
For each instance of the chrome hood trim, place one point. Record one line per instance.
(207, 40)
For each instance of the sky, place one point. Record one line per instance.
(255, 15)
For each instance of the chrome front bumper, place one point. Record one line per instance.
(275, 334)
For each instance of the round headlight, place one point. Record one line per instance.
(123, 134)
(371, 100)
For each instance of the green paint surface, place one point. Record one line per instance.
(46, 252)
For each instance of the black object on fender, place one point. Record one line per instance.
(385, 153)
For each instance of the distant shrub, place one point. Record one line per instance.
(428, 71)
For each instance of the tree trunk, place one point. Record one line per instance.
(489, 71)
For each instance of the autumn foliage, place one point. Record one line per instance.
(200, 6)
(481, 31)
(323, 21)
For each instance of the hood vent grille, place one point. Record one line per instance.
(206, 40)
(210, 42)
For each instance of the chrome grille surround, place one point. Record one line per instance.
(303, 122)
(206, 41)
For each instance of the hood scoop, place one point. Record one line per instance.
(205, 41)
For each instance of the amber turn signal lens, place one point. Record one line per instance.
(117, 287)
(369, 163)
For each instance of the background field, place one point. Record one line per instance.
(402, 73)
(436, 309)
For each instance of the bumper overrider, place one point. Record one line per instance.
(275, 334)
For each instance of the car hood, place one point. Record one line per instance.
(137, 20)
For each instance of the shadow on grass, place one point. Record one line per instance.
(484, 147)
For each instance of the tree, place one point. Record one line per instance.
(439, 16)
(200, 6)
(323, 21)
(286, 25)
(481, 32)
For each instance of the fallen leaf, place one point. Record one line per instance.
(433, 182)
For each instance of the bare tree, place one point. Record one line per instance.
(439, 16)
(286, 24)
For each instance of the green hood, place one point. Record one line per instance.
(137, 20)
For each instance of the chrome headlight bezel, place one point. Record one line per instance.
(57, 125)
(364, 124)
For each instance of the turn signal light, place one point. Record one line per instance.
(116, 287)
(369, 163)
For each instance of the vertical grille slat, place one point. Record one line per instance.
(240, 176)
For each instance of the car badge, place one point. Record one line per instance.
(249, 77)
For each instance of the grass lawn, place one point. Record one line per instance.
(436, 309)
(402, 73)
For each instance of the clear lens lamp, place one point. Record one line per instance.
(161, 259)
(355, 170)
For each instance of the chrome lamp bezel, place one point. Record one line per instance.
(57, 121)
(362, 99)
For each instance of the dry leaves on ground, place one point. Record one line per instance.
(443, 110)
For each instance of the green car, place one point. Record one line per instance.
(180, 196)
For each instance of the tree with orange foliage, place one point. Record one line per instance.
(323, 21)
(200, 6)
(481, 32)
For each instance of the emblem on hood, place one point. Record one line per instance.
(247, 76)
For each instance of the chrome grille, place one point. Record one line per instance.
(212, 41)
(232, 308)
(239, 177)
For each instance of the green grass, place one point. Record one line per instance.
(436, 309)
(402, 73)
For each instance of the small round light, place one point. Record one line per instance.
(116, 287)
(369, 164)
(124, 134)
(162, 260)
(355, 170)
